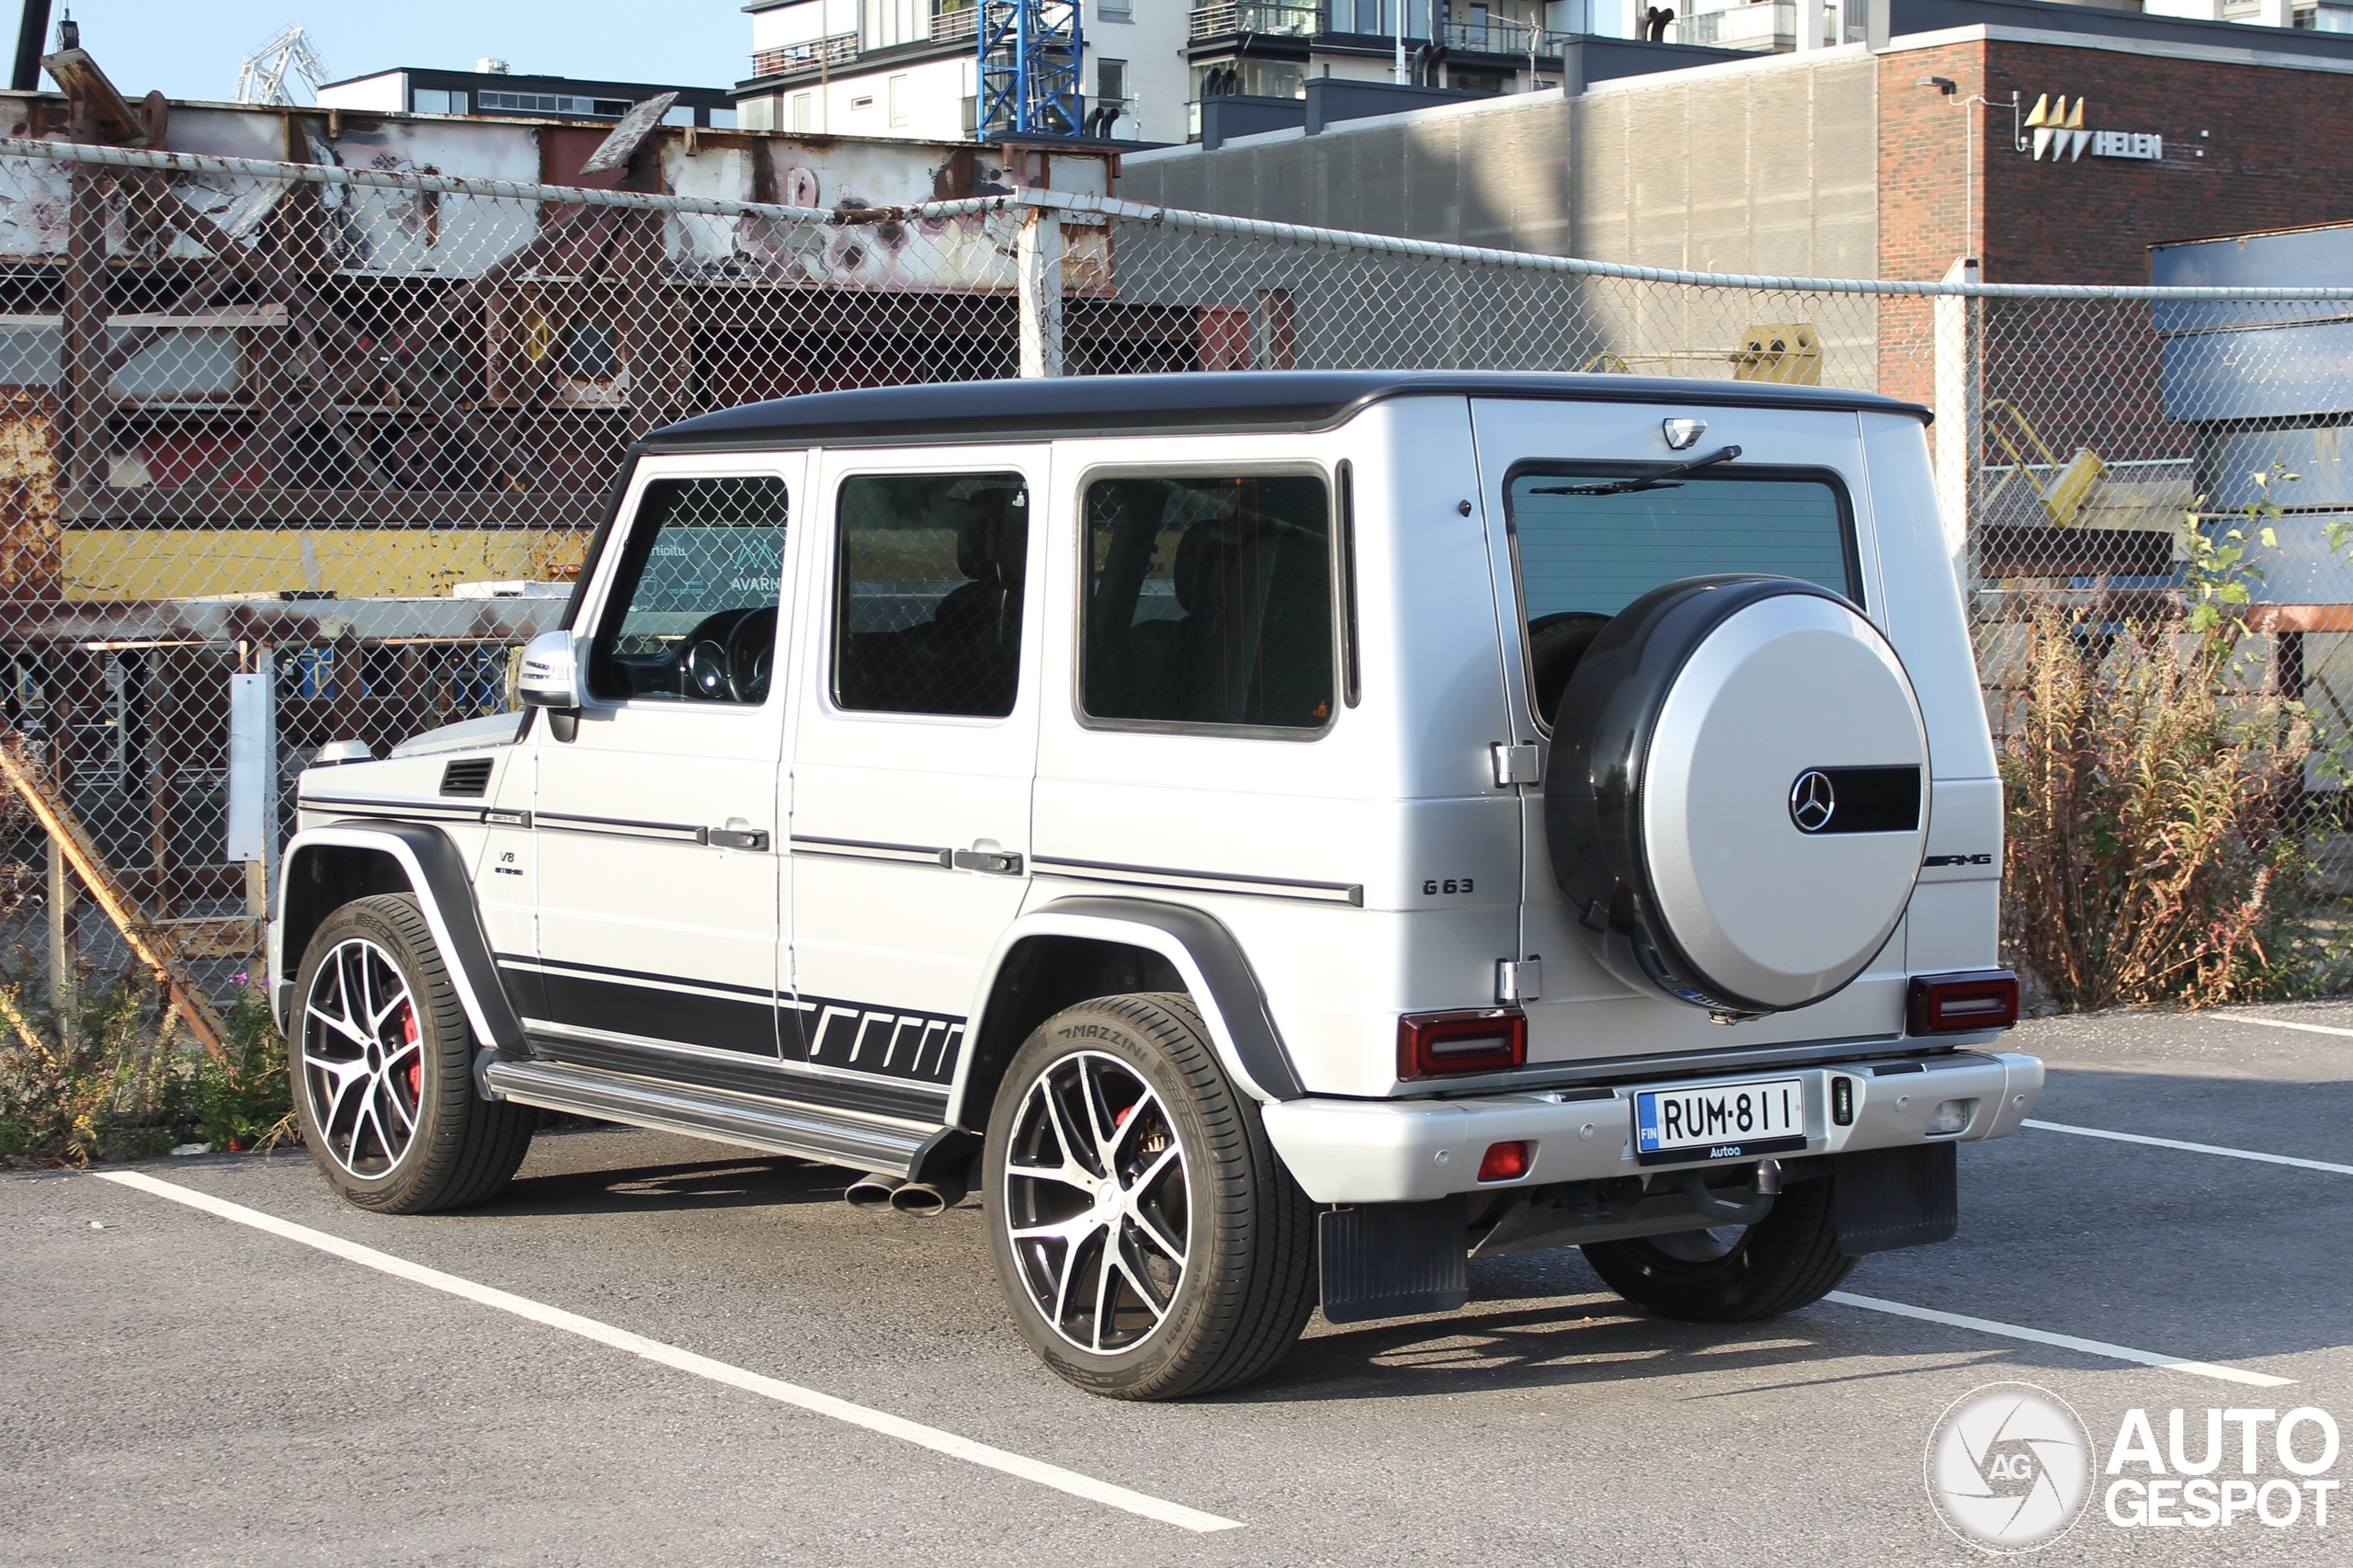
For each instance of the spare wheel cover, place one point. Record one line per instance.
(1767, 806)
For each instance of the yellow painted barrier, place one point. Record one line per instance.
(180, 564)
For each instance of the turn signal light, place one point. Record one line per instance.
(1953, 1004)
(1506, 1161)
(1482, 1039)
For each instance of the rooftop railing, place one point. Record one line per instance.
(1257, 17)
(832, 50)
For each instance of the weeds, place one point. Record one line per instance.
(115, 1077)
(2157, 843)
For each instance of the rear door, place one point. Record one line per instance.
(1794, 502)
(912, 757)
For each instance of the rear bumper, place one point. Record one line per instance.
(1412, 1150)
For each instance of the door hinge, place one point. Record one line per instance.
(1519, 980)
(1514, 765)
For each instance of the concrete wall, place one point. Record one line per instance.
(1752, 167)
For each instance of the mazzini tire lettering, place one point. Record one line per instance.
(396, 1127)
(1787, 1260)
(1149, 1243)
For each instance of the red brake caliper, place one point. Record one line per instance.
(416, 1066)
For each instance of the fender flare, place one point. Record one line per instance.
(436, 875)
(1204, 954)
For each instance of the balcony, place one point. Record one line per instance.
(839, 49)
(1257, 17)
(949, 25)
(1758, 26)
(1501, 36)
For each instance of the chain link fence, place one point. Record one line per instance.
(291, 453)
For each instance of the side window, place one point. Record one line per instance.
(927, 617)
(1586, 543)
(692, 616)
(1209, 601)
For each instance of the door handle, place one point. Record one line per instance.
(996, 862)
(736, 837)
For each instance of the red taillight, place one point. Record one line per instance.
(1506, 1161)
(1431, 1045)
(1953, 1004)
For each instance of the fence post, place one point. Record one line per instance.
(60, 950)
(1959, 403)
(1038, 257)
(252, 776)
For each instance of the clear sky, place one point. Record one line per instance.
(191, 49)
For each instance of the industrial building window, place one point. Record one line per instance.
(1588, 539)
(1210, 602)
(433, 101)
(927, 615)
(693, 608)
(1111, 81)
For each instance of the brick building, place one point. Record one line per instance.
(1890, 157)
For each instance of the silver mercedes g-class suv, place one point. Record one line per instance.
(1275, 836)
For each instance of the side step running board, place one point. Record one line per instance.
(809, 1131)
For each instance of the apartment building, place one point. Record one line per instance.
(910, 68)
(492, 91)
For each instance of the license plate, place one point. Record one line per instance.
(1720, 1122)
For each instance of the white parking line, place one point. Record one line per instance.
(2188, 1148)
(2062, 1341)
(889, 1425)
(2280, 1024)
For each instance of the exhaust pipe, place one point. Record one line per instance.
(929, 1200)
(1732, 1211)
(873, 1190)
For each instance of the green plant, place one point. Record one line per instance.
(243, 1103)
(2157, 846)
(115, 1076)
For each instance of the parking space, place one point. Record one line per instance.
(186, 1387)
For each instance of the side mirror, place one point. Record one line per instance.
(551, 676)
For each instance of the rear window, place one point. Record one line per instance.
(1582, 554)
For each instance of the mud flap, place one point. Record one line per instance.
(1885, 1198)
(1389, 1260)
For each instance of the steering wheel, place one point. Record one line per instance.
(728, 657)
(751, 655)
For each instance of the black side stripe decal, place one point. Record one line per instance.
(918, 1047)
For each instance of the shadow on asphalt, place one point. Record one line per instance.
(711, 1184)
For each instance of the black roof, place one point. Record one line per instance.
(1205, 400)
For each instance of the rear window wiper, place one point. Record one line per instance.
(1664, 479)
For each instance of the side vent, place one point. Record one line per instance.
(471, 776)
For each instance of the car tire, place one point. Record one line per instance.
(1787, 1260)
(1149, 1243)
(380, 1061)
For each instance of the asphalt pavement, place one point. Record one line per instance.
(653, 1350)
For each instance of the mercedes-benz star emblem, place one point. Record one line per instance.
(1811, 801)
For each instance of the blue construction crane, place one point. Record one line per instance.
(1030, 54)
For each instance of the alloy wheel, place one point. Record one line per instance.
(1095, 1202)
(363, 1060)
